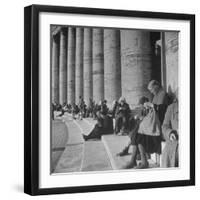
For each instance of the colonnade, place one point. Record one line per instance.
(100, 64)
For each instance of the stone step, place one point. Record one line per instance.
(59, 134)
(75, 132)
(90, 121)
(95, 157)
(113, 145)
(58, 142)
(85, 127)
(71, 158)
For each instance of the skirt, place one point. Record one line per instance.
(151, 144)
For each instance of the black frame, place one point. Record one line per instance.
(31, 98)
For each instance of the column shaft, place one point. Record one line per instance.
(87, 65)
(171, 53)
(55, 69)
(98, 65)
(71, 66)
(63, 67)
(136, 64)
(112, 65)
(79, 64)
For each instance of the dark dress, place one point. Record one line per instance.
(152, 144)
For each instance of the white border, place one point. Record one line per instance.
(82, 179)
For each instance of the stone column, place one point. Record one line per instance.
(136, 64)
(79, 64)
(63, 66)
(112, 65)
(98, 65)
(55, 68)
(87, 65)
(171, 53)
(71, 66)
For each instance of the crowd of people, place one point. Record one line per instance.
(150, 123)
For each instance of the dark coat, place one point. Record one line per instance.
(170, 152)
(160, 101)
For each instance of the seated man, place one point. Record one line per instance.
(81, 106)
(122, 117)
(170, 132)
(75, 110)
(102, 127)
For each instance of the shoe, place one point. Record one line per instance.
(142, 166)
(129, 165)
(123, 152)
(85, 137)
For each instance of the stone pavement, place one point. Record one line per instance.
(59, 140)
(93, 155)
(78, 154)
(71, 158)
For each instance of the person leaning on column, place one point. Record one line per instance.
(170, 132)
(160, 99)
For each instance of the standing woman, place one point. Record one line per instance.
(149, 134)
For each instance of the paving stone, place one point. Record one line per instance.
(95, 157)
(59, 140)
(75, 133)
(59, 134)
(71, 159)
(113, 145)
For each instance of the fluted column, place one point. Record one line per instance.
(171, 53)
(63, 66)
(112, 65)
(87, 65)
(71, 66)
(79, 64)
(55, 68)
(98, 65)
(136, 64)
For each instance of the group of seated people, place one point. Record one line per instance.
(81, 110)
(150, 123)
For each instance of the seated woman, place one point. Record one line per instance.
(146, 138)
(149, 135)
(134, 124)
(103, 126)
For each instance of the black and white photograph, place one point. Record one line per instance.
(100, 99)
(114, 99)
